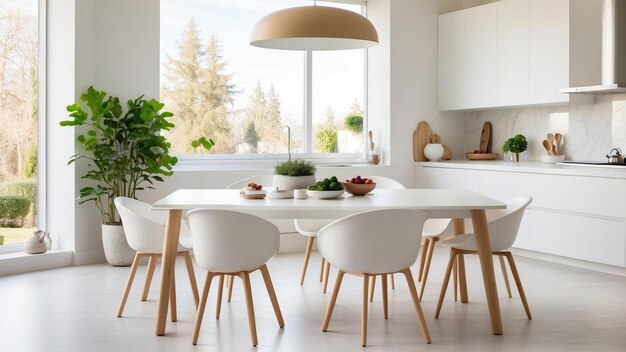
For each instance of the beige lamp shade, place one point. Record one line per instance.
(314, 28)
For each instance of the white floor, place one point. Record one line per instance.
(74, 309)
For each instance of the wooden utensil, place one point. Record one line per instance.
(558, 138)
(485, 138)
(447, 153)
(369, 134)
(548, 147)
(421, 137)
(551, 141)
(435, 139)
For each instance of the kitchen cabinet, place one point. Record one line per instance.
(573, 214)
(518, 53)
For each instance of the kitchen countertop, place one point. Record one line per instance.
(536, 167)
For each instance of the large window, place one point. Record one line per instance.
(18, 119)
(219, 86)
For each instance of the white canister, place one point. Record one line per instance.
(300, 194)
(433, 151)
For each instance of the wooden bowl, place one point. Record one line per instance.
(482, 156)
(357, 189)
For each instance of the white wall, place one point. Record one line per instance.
(117, 49)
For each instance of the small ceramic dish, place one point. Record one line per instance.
(324, 194)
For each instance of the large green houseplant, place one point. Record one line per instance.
(125, 152)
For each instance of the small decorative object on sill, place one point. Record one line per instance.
(373, 157)
(515, 145)
(36, 244)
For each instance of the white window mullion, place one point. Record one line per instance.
(308, 102)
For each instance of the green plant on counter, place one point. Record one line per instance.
(125, 151)
(296, 167)
(517, 144)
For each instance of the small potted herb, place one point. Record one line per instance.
(515, 145)
(294, 174)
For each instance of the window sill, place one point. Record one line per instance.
(261, 165)
(20, 262)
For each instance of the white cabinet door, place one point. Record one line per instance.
(467, 58)
(549, 50)
(513, 67)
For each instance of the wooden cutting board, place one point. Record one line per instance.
(485, 138)
(421, 137)
(447, 153)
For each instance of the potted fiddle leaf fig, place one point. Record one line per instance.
(294, 174)
(125, 152)
(515, 145)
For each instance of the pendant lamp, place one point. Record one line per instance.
(314, 28)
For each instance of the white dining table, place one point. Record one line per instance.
(438, 203)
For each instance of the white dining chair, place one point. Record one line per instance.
(434, 230)
(310, 228)
(144, 230)
(237, 244)
(362, 245)
(503, 226)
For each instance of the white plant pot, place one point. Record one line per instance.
(293, 182)
(433, 151)
(116, 248)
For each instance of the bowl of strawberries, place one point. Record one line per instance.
(358, 186)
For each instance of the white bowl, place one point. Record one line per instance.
(253, 191)
(324, 194)
(552, 159)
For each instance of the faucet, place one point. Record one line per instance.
(288, 140)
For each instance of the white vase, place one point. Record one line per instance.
(433, 151)
(36, 244)
(116, 248)
(293, 182)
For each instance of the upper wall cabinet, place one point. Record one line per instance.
(518, 53)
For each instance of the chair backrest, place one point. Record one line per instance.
(314, 225)
(229, 241)
(437, 227)
(265, 180)
(379, 241)
(504, 223)
(144, 228)
(386, 182)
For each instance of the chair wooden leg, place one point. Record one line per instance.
(173, 311)
(322, 269)
(149, 275)
(307, 256)
(462, 278)
(383, 282)
(270, 291)
(192, 277)
(420, 271)
(446, 280)
(505, 276)
(245, 277)
(372, 287)
(218, 304)
(326, 275)
(129, 282)
(455, 279)
(416, 302)
(364, 311)
(333, 300)
(230, 284)
(429, 257)
(201, 306)
(518, 283)
(393, 282)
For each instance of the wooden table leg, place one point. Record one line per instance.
(481, 232)
(459, 229)
(168, 264)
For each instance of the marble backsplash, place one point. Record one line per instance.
(589, 131)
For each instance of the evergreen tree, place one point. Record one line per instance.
(252, 136)
(274, 120)
(257, 108)
(198, 92)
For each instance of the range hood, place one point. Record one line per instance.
(613, 51)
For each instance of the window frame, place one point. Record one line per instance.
(193, 161)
